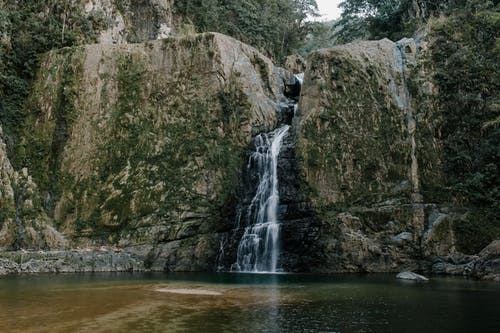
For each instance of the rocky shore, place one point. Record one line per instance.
(69, 261)
(484, 266)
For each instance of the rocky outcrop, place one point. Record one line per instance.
(131, 21)
(371, 158)
(70, 261)
(141, 144)
(7, 203)
(23, 223)
(485, 265)
(295, 63)
(354, 148)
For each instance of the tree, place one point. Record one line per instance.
(276, 27)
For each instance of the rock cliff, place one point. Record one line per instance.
(141, 144)
(23, 222)
(371, 158)
(135, 153)
(131, 21)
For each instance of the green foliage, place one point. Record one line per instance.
(479, 229)
(321, 35)
(395, 19)
(468, 73)
(277, 27)
(467, 61)
(30, 28)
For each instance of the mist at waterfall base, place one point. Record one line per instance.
(133, 302)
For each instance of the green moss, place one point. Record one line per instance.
(476, 231)
(363, 148)
(44, 137)
(163, 152)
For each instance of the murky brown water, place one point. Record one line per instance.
(244, 303)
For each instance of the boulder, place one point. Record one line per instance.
(411, 276)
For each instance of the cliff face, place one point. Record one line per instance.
(371, 157)
(141, 144)
(132, 21)
(23, 222)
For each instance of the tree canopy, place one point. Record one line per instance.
(276, 27)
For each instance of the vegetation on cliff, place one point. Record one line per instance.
(466, 55)
(277, 27)
(28, 29)
(463, 64)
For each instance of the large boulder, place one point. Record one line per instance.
(487, 266)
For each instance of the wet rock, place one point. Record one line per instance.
(295, 63)
(411, 276)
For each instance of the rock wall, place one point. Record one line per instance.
(141, 144)
(371, 159)
(132, 21)
(23, 222)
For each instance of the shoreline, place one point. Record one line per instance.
(113, 260)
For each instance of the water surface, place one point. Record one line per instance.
(245, 303)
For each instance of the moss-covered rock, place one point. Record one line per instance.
(353, 142)
(141, 144)
(23, 221)
(370, 149)
(131, 21)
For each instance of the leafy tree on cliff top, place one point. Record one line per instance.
(277, 27)
(395, 19)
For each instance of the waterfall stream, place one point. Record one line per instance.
(254, 243)
(258, 249)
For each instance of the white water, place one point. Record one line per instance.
(258, 250)
(300, 78)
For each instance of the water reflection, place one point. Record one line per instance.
(248, 303)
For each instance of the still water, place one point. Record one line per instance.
(245, 303)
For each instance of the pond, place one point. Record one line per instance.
(223, 302)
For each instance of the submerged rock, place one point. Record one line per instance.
(411, 276)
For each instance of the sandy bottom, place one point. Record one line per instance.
(185, 291)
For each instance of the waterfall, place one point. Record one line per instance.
(258, 249)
